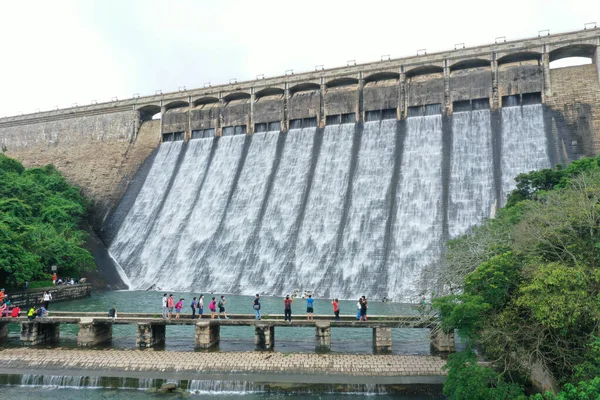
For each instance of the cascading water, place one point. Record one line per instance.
(418, 221)
(472, 171)
(145, 270)
(343, 211)
(205, 218)
(228, 253)
(524, 143)
(135, 227)
(362, 248)
(267, 272)
(318, 233)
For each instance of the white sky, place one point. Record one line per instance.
(56, 53)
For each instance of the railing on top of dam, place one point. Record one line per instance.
(543, 48)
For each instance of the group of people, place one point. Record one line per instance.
(217, 307)
(197, 305)
(8, 310)
(67, 281)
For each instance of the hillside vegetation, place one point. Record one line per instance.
(40, 217)
(527, 290)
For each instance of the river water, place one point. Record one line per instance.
(234, 338)
(181, 338)
(54, 393)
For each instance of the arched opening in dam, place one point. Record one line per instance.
(149, 112)
(570, 56)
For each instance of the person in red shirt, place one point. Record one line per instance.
(336, 309)
(170, 304)
(287, 308)
(16, 312)
(54, 279)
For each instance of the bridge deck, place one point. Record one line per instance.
(276, 320)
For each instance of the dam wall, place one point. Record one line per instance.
(100, 153)
(100, 147)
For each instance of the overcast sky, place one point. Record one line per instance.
(56, 53)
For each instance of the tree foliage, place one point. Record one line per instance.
(528, 286)
(40, 215)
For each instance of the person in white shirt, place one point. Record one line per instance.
(165, 309)
(46, 297)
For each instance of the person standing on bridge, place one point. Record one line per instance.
(363, 309)
(165, 308)
(310, 307)
(256, 306)
(46, 297)
(194, 305)
(200, 306)
(178, 307)
(170, 304)
(212, 306)
(336, 309)
(221, 305)
(287, 308)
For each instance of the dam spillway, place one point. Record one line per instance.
(345, 210)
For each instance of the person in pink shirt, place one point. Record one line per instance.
(178, 308)
(212, 306)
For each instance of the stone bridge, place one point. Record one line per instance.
(96, 328)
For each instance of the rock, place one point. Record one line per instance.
(168, 387)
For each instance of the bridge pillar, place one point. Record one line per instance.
(321, 114)
(382, 340)
(596, 60)
(250, 128)
(323, 336)
(402, 95)
(150, 335)
(163, 110)
(286, 100)
(37, 332)
(207, 334)
(546, 71)
(3, 331)
(93, 333)
(447, 110)
(495, 105)
(442, 341)
(360, 117)
(264, 337)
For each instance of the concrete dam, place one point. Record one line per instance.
(346, 181)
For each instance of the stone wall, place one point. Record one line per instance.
(32, 298)
(574, 100)
(98, 153)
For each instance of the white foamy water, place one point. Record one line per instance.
(269, 272)
(418, 224)
(149, 267)
(318, 233)
(139, 220)
(229, 252)
(362, 249)
(472, 171)
(524, 143)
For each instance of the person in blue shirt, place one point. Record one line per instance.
(310, 307)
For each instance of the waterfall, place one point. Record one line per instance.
(147, 204)
(362, 246)
(228, 253)
(524, 143)
(472, 169)
(318, 233)
(418, 221)
(146, 269)
(267, 272)
(345, 210)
